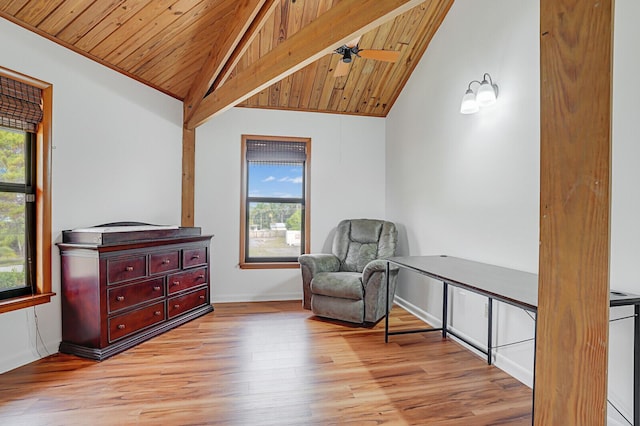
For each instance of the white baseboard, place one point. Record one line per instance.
(520, 373)
(270, 297)
(16, 360)
(615, 418)
(517, 371)
(27, 356)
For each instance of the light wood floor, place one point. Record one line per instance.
(269, 364)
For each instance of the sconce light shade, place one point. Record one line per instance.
(469, 104)
(486, 95)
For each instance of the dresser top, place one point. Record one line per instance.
(127, 232)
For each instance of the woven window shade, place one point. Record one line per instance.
(276, 152)
(20, 105)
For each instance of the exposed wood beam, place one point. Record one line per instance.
(245, 13)
(247, 38)
(341, 23)
(188, 176)
(575, 185)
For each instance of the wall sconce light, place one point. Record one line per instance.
(486, 95)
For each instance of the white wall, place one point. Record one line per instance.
(347, 181)
(462, 185)
(468, 186)
(625, 200)
(116, 156)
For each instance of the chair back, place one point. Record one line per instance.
(359, 241)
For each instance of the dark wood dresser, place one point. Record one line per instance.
(122, 285)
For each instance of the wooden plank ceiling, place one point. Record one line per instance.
(166, 44)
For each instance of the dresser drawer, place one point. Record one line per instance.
(179, 304)
(133, 294)
(187, 279)
(126, 268)
(164, 262)
(194, 257)
(126, 324)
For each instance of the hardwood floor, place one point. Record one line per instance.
(270, 363)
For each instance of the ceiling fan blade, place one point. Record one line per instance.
(380, 55)
(341, 69)
(354, 42)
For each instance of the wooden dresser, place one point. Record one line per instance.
(122, 285)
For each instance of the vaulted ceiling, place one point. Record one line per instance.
(191, 48)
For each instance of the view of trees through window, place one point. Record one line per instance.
(275, 209)
(12, 209)
(274, 229)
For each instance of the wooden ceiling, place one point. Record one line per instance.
(189, 48)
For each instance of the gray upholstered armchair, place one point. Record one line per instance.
(350, 283)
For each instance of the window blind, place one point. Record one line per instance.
(276, 152)
(20, 105)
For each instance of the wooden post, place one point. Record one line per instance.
(188, 178)
(575, 165)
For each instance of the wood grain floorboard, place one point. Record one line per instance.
(270, 363)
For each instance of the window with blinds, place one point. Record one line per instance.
(20, 114)
(274, 210)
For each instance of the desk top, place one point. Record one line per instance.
(511, 286)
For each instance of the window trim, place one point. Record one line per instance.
(243, 204)
(43, 201)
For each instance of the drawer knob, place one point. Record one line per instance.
(176, 283)
(201, 276)
(156, 288)
(195, 256)
(202, 297)
(157, 313)
(121, 326)
(129, 268)
(120, 298)
(166, 261)
(176, 306)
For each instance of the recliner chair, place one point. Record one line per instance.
(350, 284)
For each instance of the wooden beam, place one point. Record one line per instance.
(245, 13)
(575, 163)
(245, 42)
(341, 23)
(188, 176)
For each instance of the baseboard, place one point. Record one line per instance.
(615, 418)
(15, 360)
(435, 322)
(523, 375)
(269, 297)
(515, 370)
(27, 356)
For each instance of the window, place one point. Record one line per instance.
(17, 213)
(274, 209)
(25, 200)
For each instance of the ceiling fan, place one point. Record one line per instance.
(351, 49)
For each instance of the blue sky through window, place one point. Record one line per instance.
(275, 180)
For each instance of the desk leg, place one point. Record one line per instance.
(533, 386)
(386, 307)
(489, 329)
(636, 365)
(445, 304)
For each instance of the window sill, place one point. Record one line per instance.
(24, 302)
(270, 265)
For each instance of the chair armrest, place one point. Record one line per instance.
(378, 265)
(312, 264)
(319, 262)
